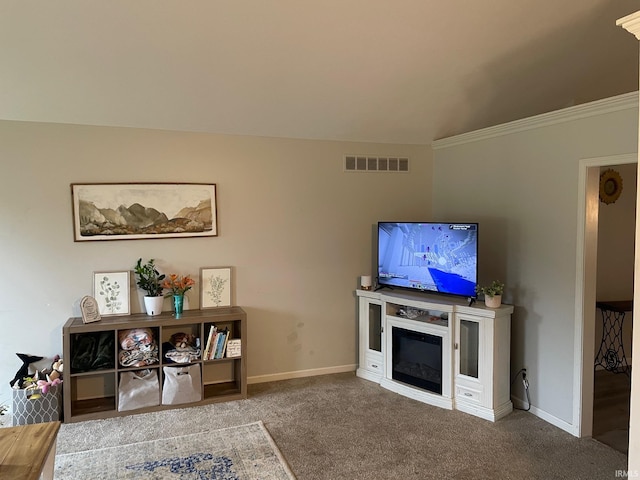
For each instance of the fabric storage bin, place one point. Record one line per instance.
(45, 408)
(138, 389)
(181, 385)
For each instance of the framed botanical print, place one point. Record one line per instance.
(215, 287)
(111, 292)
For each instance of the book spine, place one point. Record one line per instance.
(219, 344)
(226, 341)
(207, 349)
(213, 345)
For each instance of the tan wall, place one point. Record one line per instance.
(523, 189)
(296, 228)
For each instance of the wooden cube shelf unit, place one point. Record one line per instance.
(92, 393)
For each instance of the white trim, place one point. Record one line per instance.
(418, 394)
(274, 377)
(547, 417)
(631, 23)
(490, 414)
(367, 375)
(585, 253)
(613, 104)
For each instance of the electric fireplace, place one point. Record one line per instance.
(417, 359)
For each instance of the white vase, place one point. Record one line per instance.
(493, 302)
(153, 305)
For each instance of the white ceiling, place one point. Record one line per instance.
(399, 71)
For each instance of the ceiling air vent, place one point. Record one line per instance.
(368, 163)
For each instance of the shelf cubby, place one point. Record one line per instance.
(91, 393)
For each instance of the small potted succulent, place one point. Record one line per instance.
(150, 280)
(492, 293)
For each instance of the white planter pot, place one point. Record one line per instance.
(153, 305)
(493, 302)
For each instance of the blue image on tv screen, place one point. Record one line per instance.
(438, 257)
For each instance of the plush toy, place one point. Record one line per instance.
(44, 385)
(56, 369)
(24, 369)
(182, 340)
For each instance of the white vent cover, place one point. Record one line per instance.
(368, 163)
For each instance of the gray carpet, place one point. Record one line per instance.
(343, 427)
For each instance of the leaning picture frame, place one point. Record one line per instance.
(132, 211)
(111, 292)
(215, 287)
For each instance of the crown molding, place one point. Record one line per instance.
(631, 23)
(613, 104)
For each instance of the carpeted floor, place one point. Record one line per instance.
(343, 427)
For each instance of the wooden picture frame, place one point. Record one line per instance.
(132, 211)
(215, 287)
(111, 292)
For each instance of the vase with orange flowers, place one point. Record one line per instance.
(178, 285)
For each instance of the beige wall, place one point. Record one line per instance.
(522, 186)
(295, 227)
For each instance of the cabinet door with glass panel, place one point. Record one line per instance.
(470, 361)
(370, 342)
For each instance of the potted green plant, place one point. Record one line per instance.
(492, 293)
(150, 280)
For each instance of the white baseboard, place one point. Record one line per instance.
(547, 417)
(274, 377)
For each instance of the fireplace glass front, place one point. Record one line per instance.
(417, 359)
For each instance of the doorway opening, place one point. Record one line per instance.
(605, 277)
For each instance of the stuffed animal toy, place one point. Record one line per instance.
(182, 340)
(24, 369)
(44, 385)
(55, 371)
(58, 369)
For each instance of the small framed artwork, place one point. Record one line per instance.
(111, 291)
(215, 287)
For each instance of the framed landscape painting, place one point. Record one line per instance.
(215, 287)
(111, 292)
(130, 211)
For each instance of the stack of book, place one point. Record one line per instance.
(216, 343)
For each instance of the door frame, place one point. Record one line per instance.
(586, 263)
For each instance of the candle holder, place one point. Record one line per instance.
(365, 282)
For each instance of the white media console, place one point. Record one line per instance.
(437, 350)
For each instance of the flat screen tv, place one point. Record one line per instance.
(429, 256)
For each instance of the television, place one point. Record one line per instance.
(438, 257)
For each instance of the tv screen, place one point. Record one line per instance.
(429, 256)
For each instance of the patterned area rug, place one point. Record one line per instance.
(246, 452)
